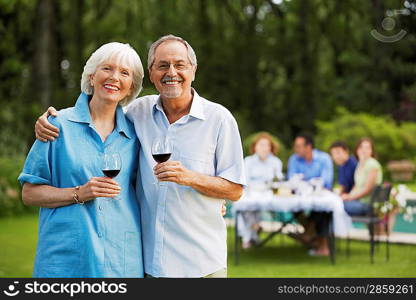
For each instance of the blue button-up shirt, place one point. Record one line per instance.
(103, 237)
(184, 233)
(320, 166)
(346, 174)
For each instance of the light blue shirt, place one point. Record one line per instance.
(184, 233)
(261, 171)
(320, 166)
(101, 238)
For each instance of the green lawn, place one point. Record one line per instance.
(281, 257)
(18, 237)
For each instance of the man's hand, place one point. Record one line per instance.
(211, 186)
(44, 130)
(99, 187)
(223, 208)
(174, 171)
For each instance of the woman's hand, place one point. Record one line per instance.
(99, 187)
(346, 197)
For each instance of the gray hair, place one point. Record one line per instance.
(170, 37)
(124, 54)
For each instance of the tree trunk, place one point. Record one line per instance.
(41, 71)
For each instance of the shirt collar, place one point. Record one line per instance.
(81, 114)
(197, 106)
(81, 111)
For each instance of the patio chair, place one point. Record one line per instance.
(380, 194)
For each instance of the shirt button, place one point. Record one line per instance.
(100, 207)
(100, 234)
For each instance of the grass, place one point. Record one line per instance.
(18, 237)
(281, 257)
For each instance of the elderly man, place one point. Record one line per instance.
(312, 163)
(184, 235)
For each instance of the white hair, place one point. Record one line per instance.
(125, 55)
(170, 37)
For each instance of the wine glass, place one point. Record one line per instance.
(111, 166)
(161, 150)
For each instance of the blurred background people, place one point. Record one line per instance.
(261, 167)
(312, 163)
(346, 165)
(367, 175)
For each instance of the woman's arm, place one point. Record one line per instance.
(51, 197)
(368, 187)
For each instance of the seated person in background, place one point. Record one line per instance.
(346, 165)
(312, 163)
(261, 166)
(367, 175)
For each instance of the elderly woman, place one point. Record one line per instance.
(83, 230)
(367, 175)
(261, 167)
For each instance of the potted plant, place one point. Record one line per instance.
(397, 204)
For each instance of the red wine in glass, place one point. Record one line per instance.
(111, 166)
(161, 150)
(111, 173)
(160, 158)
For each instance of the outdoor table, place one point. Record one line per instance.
(320, 201)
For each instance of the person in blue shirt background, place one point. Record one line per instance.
(312, 163)
(346, 165)
(83, 230)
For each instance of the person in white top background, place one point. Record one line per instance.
(261, 167)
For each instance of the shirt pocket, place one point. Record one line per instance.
(199, 161)
(58, 246)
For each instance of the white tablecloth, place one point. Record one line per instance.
(318, 201)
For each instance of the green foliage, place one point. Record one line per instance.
(277, 65)
(391, 141)
(10, 190)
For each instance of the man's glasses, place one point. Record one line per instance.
(178, 66)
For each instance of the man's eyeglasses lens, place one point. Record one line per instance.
(178, 67)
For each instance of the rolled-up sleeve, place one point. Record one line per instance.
(37, 167)
(229, 152)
